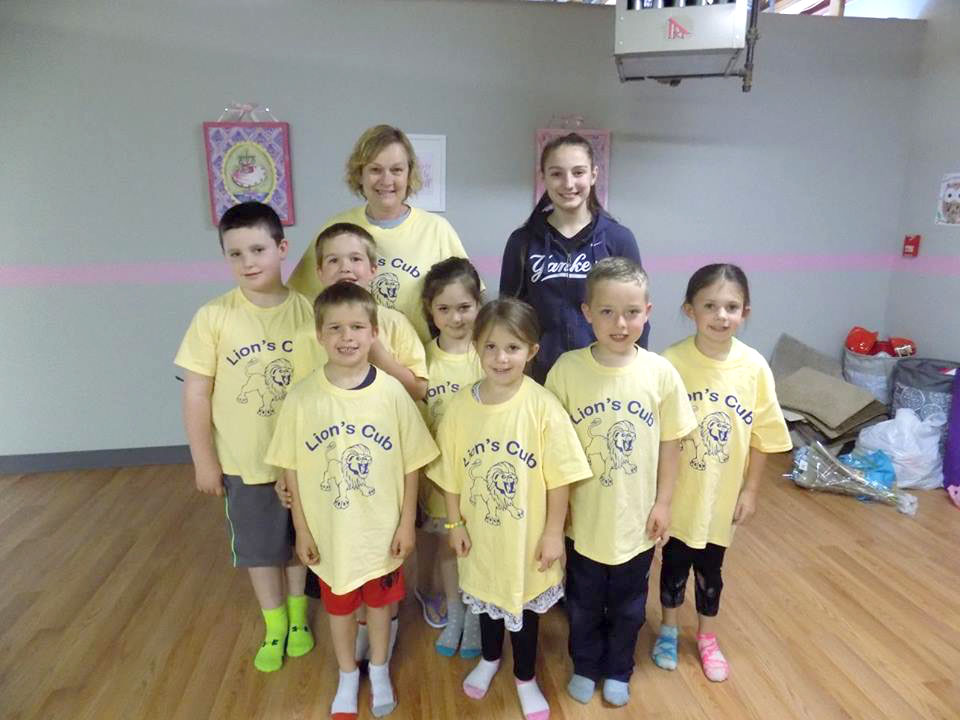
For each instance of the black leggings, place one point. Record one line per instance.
(524, 643)
(676, 560)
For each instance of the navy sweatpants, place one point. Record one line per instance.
(607, 607)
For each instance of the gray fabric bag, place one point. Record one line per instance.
(920, 384)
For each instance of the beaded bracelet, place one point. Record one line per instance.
(451, 526)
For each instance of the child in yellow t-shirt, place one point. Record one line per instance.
(451, 300)
(347, 253)
(352, 443)
(630, 410)
(509, 453)
(731, 388)
(238, 361)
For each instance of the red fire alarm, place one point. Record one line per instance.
(911, 245)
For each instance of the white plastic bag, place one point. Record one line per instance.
(912, 444)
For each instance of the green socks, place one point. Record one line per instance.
(288, 626)
(299, 638)
(270, 655)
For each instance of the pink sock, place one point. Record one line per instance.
(532, 701)
(714, 664)
(477, 683)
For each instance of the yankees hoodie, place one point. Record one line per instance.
(549, 271)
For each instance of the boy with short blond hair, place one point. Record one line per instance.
(237, 357)
(630, 411)
(348, 253)
(351, 441)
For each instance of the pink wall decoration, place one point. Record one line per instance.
(249, 161)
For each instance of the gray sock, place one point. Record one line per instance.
(581, 688)
(450, 637)
(470, 645)
(616, 692)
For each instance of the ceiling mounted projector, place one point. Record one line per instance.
(670, 40)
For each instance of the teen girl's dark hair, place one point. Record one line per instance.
(574, 140)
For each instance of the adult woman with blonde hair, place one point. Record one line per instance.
(383, 170)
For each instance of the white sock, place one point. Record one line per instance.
(361, 649)
(532, 701)
(478, 681)
(345, 701)
(382, 701)
(394, 627)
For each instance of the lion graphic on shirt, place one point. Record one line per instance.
(271, 384)
(384, 288)
(350, 472)
(497, 489)
(710, 438)
(612, 449)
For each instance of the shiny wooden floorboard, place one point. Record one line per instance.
(118, 602)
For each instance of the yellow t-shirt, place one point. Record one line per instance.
(621, 416)
(351, 449)
(249, 351)
(406, 251)
(396, 333)
(736, 407)
(502, 459)
(448, 374)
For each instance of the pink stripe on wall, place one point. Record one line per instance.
(153, 273)
(216, 271)
(793, 262)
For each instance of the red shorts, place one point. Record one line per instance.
(375, 593)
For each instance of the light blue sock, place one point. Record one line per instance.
(581, 688)
(665, 648)
(616, 692)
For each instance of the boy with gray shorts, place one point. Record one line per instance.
(237, 355)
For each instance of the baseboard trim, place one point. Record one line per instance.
(93, 459)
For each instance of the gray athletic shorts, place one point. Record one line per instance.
(260, 528)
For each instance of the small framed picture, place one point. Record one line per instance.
(948, 207)
(249, 161)
(431, 153)
(600, 142)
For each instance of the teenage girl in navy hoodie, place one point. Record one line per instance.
(547, 260)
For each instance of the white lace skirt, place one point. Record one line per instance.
(514, 623)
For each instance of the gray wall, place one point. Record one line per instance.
(102, 168)
(924, 299)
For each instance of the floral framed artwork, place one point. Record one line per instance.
(600, 142)
(249, 161)
(431, 153)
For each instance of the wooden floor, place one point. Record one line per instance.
(117, 601)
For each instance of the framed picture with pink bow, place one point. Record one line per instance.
(249, 161)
